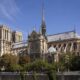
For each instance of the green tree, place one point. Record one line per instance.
(8, 60)
(39, 66)
(51, 74)
(65, 61)
(15, 67)
(75, 63)
(24, 59)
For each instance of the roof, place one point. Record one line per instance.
(19, 44)
(51, 38)
(63, 36)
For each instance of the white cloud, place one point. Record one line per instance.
(9, 9)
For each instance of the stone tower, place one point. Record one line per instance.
(5, 40)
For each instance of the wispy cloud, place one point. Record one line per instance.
(9, 9)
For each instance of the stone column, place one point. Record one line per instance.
(1, 42)
(60, 47)
(71, 47)
(4, 34)
(41, 47)
(7, 35)
(77, 47)
(65, 50)
(10, 36)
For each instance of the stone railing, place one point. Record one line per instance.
(39, 76)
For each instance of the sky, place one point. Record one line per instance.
(24, 15)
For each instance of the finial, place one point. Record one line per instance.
(75, 31)
(34, 28)
(75, 28)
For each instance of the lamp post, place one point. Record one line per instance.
(52, 52)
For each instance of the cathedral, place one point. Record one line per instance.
(39, 44)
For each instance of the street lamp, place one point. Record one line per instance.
(52, 52)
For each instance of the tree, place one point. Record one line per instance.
(24, 59)
(39, 66)
(8, 60)
(75, 63)
(15, 67)
(52, 75)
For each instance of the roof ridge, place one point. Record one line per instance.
(61, 33)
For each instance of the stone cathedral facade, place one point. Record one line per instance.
(39, 43)
(7, 38)
(65, 42)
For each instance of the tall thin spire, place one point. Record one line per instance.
(42, 10)
(43, 25)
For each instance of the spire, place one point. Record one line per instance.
(42, 10)
(75, 28)
(43, 25)
(75, 31)
(34, 27)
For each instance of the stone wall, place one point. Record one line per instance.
(60, 76)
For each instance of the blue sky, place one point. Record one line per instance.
(23, 15)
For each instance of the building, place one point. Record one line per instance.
(39, 43)
(19, 47)
(17, 36)
(7, 39)
(64, 42)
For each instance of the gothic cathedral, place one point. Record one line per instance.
(37, 42)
